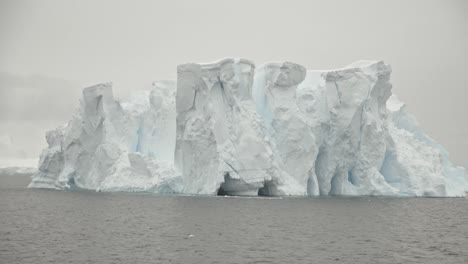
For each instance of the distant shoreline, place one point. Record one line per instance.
(20, 171)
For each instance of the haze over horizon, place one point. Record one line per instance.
(51, 49)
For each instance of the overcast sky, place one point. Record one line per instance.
(49, 50)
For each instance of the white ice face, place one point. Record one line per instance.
(109, 146)
(229, 128)
(220, 132)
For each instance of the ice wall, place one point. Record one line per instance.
(218, 130)
(228, 127)
(296, 149)
(109, 146)
(417, 164)
(335, 131)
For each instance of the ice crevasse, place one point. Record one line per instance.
(231, 128)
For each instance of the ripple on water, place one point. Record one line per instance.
(42, 226)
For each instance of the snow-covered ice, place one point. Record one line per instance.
(228, 127)
(113, 146)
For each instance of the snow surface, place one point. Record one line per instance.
(228, 127)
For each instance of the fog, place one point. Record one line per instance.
(49, 50)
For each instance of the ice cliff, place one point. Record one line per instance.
(230, 128)
(113, 146)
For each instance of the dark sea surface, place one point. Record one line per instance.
(45, 226)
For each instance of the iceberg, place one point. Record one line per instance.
(113, 146)
(231, 128)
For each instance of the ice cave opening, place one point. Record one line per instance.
(268, 189)
(239, 187)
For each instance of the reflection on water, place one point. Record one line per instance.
(44, 226)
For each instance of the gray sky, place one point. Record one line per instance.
(50, 49)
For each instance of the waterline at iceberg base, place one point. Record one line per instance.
(231, 128)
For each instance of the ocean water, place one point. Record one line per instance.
(45, 226)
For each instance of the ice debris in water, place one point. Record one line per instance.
(230, 128)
